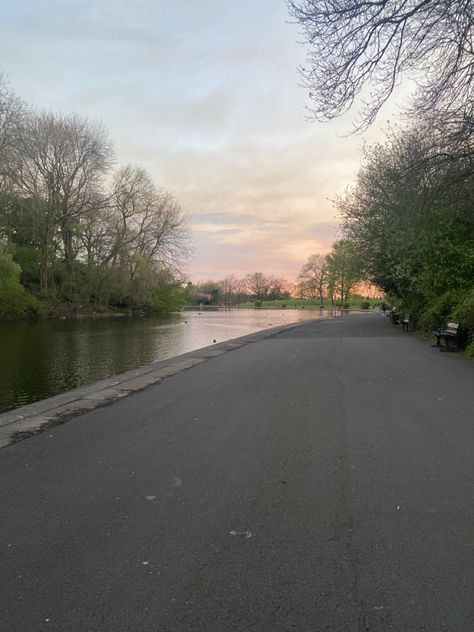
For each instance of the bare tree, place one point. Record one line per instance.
(229, 290)
(278, 288)
(12, 112)
(59, 163)
(146, 221)
(313, 277)
(354, 44)
(258, 285)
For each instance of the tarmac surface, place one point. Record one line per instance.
(317, 477)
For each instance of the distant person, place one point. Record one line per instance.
(384, 308)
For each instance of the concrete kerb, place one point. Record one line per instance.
(33, 418)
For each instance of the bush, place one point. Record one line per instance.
(440, 310)
(167, 297)
(27, 259)
(463, 312)
(15, 301)
(469, 351)
(258, 304)
(365, 304)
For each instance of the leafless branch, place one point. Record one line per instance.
(355, 46)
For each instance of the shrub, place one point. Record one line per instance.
(440, 310)
(365, 304)
(15, 301)
(463, 312)
(469, 351)
(258, 304)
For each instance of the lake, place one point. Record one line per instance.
(44, 358)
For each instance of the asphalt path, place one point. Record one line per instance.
(319, 479)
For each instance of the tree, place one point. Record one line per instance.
(134, 231)
(355, 45)
(258, 285)
(76, 238)
(59, 163)
(278, 288)
(410, 218)
(147, 220)
(12, 113)
(344, 270)
(312, 278)
(230, 290)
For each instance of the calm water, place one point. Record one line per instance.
(40, 359)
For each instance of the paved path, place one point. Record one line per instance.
(318, 479)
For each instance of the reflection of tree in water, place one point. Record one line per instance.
(41, 359)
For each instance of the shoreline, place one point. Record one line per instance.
(61, 312)
(31, 419)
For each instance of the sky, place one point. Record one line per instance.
(205, 95)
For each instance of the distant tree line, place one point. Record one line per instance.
(72, 228)
(231, 291)
(336, 276)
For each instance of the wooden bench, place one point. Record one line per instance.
(409, 320)
(451, 334)
(394, 316)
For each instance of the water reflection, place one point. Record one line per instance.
(40, 359)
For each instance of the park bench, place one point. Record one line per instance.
(409, 321)
(394, 316)
(452, 334)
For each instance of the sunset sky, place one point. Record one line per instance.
(205, 95)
